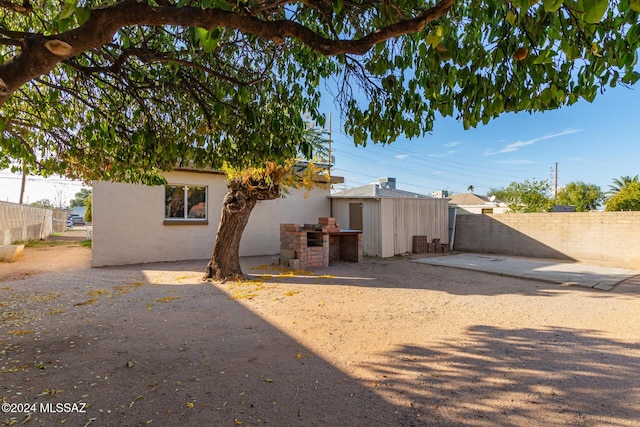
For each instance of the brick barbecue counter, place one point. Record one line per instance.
(318, 245)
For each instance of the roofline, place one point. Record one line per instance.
(196, 170)
(385, 197)
(332, 179)
(364, 197)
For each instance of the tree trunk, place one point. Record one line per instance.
(225, 260)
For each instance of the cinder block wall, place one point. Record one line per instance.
(602, 238)
(19, 223)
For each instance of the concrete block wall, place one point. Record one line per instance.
(602, 238)
(19, 223)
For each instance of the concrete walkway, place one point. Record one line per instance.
(556, 271)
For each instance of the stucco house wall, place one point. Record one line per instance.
(129, 226)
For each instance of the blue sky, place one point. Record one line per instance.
(594, 143)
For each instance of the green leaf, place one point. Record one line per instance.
(68, 9)
(82, 14)
(635, 5)
(594, 10)
(545, 57)
(511, 18)
(435, 37)
(633, 35)
(551, 5)
(208, 40)
(337, 6)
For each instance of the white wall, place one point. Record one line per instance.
(414, 217)
(128, 221)
(371, 235)
(389, 224)
(478, 209)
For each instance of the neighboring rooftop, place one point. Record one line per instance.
(469, 199)
(384, 188)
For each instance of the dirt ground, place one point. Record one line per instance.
(381, 343)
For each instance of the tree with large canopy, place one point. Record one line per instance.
(584, 197)
(123, 90)
(525, 197)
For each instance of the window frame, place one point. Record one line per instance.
(185, 220)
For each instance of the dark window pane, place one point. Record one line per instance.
(174, 201)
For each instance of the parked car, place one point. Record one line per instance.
(69, 223)
(77, 220)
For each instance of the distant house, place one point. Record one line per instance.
(178, 221)
(389, 217)
(469, 203)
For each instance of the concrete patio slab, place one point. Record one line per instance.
(555, 271)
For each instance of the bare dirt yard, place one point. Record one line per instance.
(381, 343)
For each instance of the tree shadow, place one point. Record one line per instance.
(152, 344)
(503, 376)
(383, 273)
(401, 273)
(144, 346)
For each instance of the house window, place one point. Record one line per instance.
(185, 204)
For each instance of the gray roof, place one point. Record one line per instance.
(377, 191)
(468, 199)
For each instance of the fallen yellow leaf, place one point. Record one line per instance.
(167, 299)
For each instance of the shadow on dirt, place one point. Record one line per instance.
(139, 352)
(521, 377)
(153, 345)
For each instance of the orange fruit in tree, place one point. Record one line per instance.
(521, 53)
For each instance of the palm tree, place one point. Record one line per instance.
(620, 184)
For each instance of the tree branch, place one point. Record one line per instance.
(11, 42)
(35, 59)
(25, 8)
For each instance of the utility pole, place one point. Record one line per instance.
(24, 181)
(555, 185)
(329, 162)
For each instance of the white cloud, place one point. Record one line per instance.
(509, 148)
(445, 154)
(401, 156)
(452, 143)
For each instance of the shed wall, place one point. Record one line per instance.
(414, 217)
(371, 237)
(390, 224)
